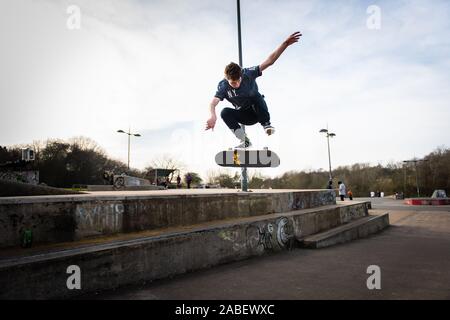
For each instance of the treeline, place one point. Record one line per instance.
(82, 161)
(66, 163)
(432, 173)
(79, 161)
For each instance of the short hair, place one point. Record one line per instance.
(233, 71)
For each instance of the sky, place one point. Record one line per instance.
(377, 73)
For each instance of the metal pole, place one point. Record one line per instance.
(129, 135)
(329, 156)
(244, 179)
(239, 31)
(404, 179)
(417, 179)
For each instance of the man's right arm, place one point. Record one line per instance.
(210, 124)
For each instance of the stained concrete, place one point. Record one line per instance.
(70, 218)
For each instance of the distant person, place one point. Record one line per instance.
(178, 182)
(341, 190)
(330, 184)
(188, 180)
(350, 194)
(167, 182)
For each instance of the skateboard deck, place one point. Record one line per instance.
(237, 158)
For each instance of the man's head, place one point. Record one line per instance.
(233, 73)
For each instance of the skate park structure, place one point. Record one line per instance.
(132, 237)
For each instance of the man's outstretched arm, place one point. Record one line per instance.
(211, 122)
(293, 38)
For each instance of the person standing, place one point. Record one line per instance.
(342, 191)
(188, 180)
(178, 182)
(330, 184)
(350, 194)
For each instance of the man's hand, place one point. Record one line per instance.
(211, 123)
(293, 38)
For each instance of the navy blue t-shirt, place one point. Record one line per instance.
(242, 97)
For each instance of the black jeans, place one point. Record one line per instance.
(258, 112)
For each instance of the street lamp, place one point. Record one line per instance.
(129, 135)
(417, 174)
(244, 179)
(329, 134)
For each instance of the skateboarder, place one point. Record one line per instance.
(240, 89)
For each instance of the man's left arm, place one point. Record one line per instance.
(293, 38)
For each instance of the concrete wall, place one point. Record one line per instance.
(73, 218)
(134, 261)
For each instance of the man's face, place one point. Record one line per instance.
(235, 83)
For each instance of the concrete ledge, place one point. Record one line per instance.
(72, 218)
(360, 228)
(117, 263)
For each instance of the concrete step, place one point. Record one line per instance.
(309, 221)
(360, 228)
(115, 261)
(71, 218)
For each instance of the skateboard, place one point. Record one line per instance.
(237, 158)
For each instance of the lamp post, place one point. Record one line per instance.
(129, 136)
(328, 135)
(417, 173)
(244, 179)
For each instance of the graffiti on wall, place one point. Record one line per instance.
(95, 219)
(298, 201)
(285, 233)
(261, 236)
(351, 213)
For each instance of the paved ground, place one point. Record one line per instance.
(413, 254)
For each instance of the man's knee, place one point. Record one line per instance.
(260, 104)
(226, 113)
